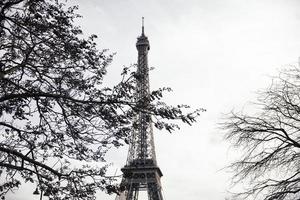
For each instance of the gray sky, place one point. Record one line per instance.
(213, 54)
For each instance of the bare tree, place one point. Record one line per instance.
(57, 119)
(270, 139)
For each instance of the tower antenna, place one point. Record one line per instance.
(143, 26)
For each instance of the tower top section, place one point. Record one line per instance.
(142, 43)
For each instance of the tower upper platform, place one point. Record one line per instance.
(142, 41)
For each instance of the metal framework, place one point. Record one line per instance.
(141, 171)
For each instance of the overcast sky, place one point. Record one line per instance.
(214, 54)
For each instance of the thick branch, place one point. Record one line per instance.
(21, 168)
(23, 157)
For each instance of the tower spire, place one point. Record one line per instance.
(143, 29)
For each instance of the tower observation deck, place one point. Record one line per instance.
(141, 171)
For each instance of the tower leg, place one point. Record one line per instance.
(133, 192)
(154, 192)
(136, 193)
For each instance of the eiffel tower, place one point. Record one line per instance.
(141, 172)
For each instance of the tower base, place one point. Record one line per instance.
(141, 176)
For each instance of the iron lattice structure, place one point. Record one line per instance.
(141, 171)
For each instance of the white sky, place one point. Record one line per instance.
(213, 54)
